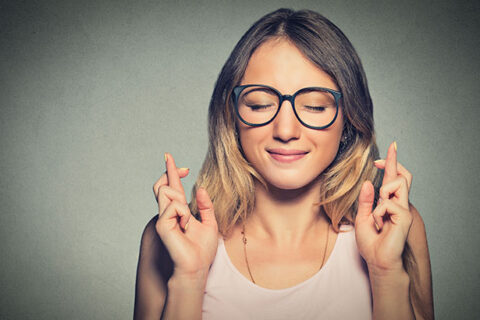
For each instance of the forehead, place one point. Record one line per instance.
(280, 64)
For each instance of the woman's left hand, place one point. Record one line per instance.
(381, 234)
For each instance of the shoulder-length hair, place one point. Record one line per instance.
(229, 178)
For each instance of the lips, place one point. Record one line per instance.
(286, 155)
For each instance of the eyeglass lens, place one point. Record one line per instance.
(315, 107)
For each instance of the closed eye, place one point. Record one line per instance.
(256, 107)
(315, 108)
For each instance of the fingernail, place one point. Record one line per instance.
(395, 145)
(184, 169)
(378, 161)
(376, 226)
(166, 158)
(186, 226)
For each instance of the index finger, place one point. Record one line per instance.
(390, 164)
(172, 173)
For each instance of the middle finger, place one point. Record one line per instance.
(163, 180)
(390, 164)
(401, 170)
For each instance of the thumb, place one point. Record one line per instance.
(205, 207)
(365, 201)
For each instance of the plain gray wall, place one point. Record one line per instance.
(92, 95)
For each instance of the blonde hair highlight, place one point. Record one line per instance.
(228, 177)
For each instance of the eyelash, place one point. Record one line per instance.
(260, 107)
(316, 108)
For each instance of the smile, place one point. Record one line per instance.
(284, 155)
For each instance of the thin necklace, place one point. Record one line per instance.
(244, 240)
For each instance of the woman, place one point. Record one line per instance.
(287, 220)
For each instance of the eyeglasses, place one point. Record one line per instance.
(257, 105)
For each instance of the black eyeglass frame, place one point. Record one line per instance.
(282, 97)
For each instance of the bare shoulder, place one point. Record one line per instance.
(417, 240)
(417, 230)
(415, 213)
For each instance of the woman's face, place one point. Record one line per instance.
(279, 64)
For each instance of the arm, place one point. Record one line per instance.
(156, 288)
(381, 244)
(176, 252)
(153, 273)
(390, 294)
(421, 296)
(422, 300)
(185, 297)
(394, 294)
(390, 241)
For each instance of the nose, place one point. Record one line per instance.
(286, 126)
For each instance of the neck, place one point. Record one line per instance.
(286, 217)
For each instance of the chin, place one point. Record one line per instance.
(285, 185)
(290, 183)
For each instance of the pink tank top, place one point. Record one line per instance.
(340, 290)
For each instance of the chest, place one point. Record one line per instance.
(279, 268)
(341, 289)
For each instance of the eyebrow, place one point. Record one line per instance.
(259, 88)
(267, 88)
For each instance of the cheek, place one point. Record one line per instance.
(248, 142)
(253, 142)
(336, 133)
(327, 145)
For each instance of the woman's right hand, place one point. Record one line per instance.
(192, 244)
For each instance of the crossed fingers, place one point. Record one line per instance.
(393, 195)
(170, 195)
(393, 168)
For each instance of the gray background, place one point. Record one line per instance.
(92, 95)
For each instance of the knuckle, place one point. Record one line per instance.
(186, 208)
(159, 182)
(176, 204)
(387, 203)
(163, 190)
(409, 176)
(155, 188)
(180, 206)
(404, 180)
(383, 192)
